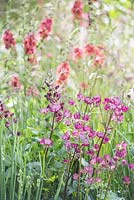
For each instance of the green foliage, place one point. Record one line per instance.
(29, 170)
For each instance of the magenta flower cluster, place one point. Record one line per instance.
(81, 138)
(116, 106)
(7, 115)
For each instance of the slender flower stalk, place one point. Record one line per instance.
(51, 133)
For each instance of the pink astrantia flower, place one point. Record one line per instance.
(96, 100)
(126, 180)
(131, 166)
(46, 141)
(75, 176)
(66, 161)
(121, 150)
(9, 39)
(80, 97)
(124, 162)
(71, 102)
(66, 136)
(45, 28)
(89, 170)
(115, 105)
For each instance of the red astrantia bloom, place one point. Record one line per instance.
(63, 72)
(77, 9)
(9, 39)
(45, 28)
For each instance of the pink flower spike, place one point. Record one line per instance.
(9, 39)
(45, 28)
(77, 9)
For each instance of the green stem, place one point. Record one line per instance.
(68, 176)
(109, 179)
(51, 133)
(79, 176)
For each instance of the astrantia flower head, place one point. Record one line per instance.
(121, 150)
(131, 166)
(9, 39)
(6, 115)
(46, 141)
(115, 105)
(126, 180)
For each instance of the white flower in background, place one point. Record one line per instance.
(131, 94)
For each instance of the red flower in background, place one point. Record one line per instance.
(77, 54)
(15, 82)
(9, 39)
(45, 28)
(30, 43)
(84, 85)
(91, 50)
(78, 13)
(32, 91)
(63, 72)
(97, 52)
(99, 59)
(77, 9)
